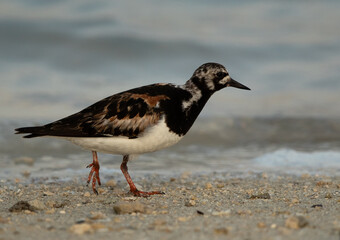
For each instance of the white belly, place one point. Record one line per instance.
(153, 139)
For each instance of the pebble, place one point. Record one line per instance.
(81, 229)
(111, 183)
(129, 198)
(208, 185)
(80, 221)
(28, 212)
(317, 206)
(130, 207)
(328, 195)
(97, 215)
(86, 201)
(99, 227)
(183, 219)
(101, 191)
(87, 194)
(296, 222)
(21, 206)
(37, 204)
(190, 203)
(50, 203)
(221, 213)
(222, 230)
(57, 204)
(63, 203)
(261, 225)
(200, 212)
(50, 211)
(260, 196)
(323, 184)
(48, 193)
(244, 212)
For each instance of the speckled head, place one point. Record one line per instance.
(213, 77)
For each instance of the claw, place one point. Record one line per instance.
(94, 173)
(94, 185)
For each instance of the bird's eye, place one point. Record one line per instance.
(221, 75)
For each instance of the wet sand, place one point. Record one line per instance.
(212, 206)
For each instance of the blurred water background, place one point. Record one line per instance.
(58, 57)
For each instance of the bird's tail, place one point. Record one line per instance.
(32, 131)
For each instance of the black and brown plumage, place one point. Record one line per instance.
(139, 120)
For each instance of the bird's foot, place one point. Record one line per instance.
(94, 175)
(138, 193)
(133, 188)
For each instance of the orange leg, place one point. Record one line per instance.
(133, 188)
(94, 173)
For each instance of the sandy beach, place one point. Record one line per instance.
(212, 206)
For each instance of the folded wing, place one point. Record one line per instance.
(125, 114)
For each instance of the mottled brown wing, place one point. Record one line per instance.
(129, 115)
(125, 114)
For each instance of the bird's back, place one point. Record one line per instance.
(125, 114)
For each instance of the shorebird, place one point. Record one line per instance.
(137, 121)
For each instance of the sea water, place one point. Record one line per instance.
(58, 57)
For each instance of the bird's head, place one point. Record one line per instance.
(213, 77)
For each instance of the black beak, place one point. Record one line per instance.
(236, 84)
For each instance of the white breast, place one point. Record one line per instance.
(153, 139)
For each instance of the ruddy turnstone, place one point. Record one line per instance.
(140, 120)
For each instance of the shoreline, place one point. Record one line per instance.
(193, 207)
